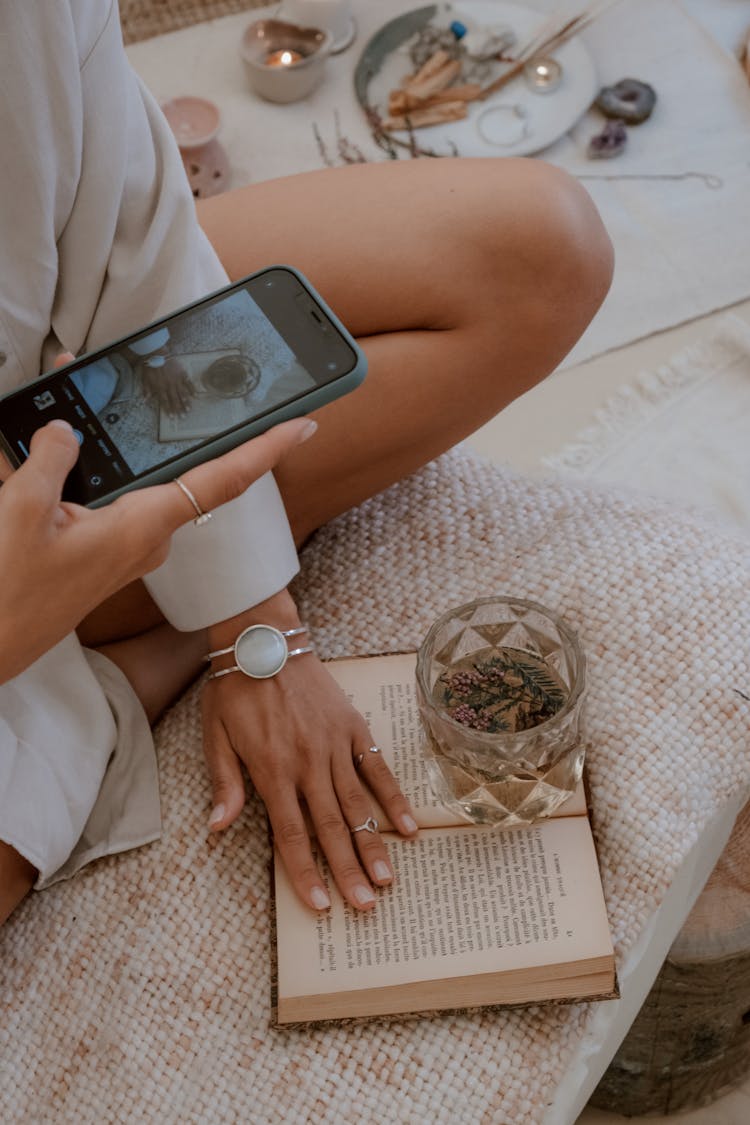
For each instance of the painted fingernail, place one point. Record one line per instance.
(408, 824)
(382, 871)
(319, 898)
(308, 430)
(363, 896)
(216, 816)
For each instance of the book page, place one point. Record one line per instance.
(383, 689)
(466, 901)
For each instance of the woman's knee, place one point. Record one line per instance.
(559, 244)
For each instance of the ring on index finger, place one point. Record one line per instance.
(201, 516)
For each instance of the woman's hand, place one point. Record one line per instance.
(299, 738)
(60, 560)
(168, 386)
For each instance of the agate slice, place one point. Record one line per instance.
(610, 142)
(629, 100)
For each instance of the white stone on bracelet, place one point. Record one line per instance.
(260, 652)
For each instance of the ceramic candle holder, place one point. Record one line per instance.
(329, 15)
(543, 76)
(284, 62)
(194, 121)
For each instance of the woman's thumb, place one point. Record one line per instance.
(53, 453)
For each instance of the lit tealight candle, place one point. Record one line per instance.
(285, 57)
(543, 75)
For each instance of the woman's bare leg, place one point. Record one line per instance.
(159, 663)
(17, 877)
(466, 281)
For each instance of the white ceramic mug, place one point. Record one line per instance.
(328, 15)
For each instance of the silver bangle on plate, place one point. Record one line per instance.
(512, 129)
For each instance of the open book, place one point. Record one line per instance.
(476, 916)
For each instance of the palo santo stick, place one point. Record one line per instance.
(544, 49)
(435, 63)
(498, 84)
(432, 115)
(399, 101)
(425, 87)
(542, 45)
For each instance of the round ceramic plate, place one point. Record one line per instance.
(515, 121)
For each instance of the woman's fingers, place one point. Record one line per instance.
(157, 511)
(335, 838)
(372, 769)
(217, 482)
(357, 812)
(185, 393)
(293, 842)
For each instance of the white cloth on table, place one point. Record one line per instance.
(681, 247)
(680, 431)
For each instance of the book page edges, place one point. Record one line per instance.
(594, 979)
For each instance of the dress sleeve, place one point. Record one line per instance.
(244, 555)
(158, 260)
(57, 734)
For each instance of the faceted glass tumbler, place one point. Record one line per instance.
(502, 776)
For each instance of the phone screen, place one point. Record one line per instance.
(208, 370)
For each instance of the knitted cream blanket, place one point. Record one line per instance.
(139, 991)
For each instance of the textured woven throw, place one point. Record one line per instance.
(139, 991)
(143, 19)
(698, 131)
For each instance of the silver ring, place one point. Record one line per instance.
(370, 825)
(201, 516)
(518, 112)
(361, 757)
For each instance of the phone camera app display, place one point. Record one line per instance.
(177, 387)
(227, 367)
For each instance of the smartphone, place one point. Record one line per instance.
(190, 386)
